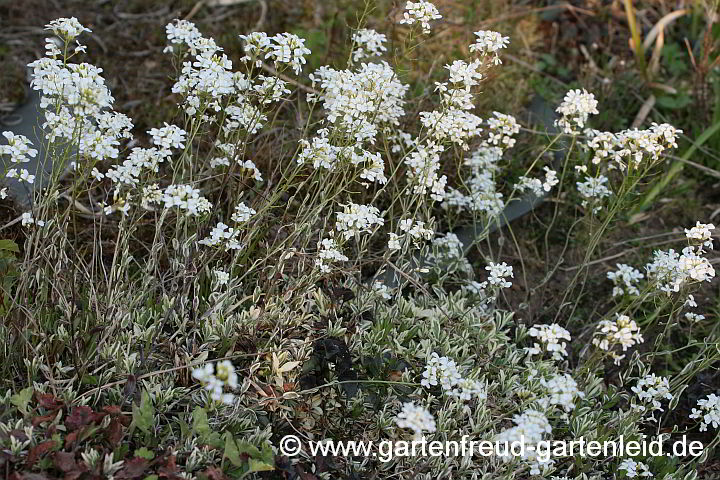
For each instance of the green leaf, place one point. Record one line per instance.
(151, 477)
(259, 466)
(22, 399)
(231, 451)
(248, 448)
(200, 425)
(143, 452)
(9, 246)
(143, 417)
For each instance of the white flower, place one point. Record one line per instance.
(356, 219)
(441, 371)
(671, 270)
(562, 390)
(593, 190)
(575, 109)
(701, 232)
(169, 136)
(382, 290)
(3, 193)
(550, 336)
(708, 412)
(368, 43)
(221, 277)
(421, 12)
(489, 42)
(222, 235)
(18, 148)
(186, 198)
(66, 28)
(530, 428)
(622, 332)
(417, 419)
(499, 272)
(625, 279)
(242, 213)
(216, 377)
(289, 49)
(328, 252)
(651, 390)
(631, 468)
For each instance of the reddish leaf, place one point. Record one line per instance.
(113, 410)
(114, 432)
(133, 468)
(65, 462)
(43, 418)
(169, 470)
(71, 438)
(214, 473)
(38, 451)
(48, 401)
(79, 417)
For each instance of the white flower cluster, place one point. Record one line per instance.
(551, 340)
(631, 147)
(242, 213)
(356, 219)
(622, 331)
(423, 166)
(562, 390)
(501, 129)
(215, 377)
(708, 412)
(222, 235)
(701, 233)
(328, 252)
(482, 196)
(67, 28)
(631, 468)
(625, 279)
(413, 230)
(186, 198)
(416, 418)
(530, 429)
(368, 43)
(651, 390)
(221, 277)
(283, 49)
(443, 371)
(499, 273)
(18, 148)
(575, 109)
(536, 186)
(361, 101)
(593, 190)
(489, 43)
(671, 270)
(420, 12)
(27, 219)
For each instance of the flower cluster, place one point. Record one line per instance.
(443, 371)
(356, 219)
(420, 12)
(551, 340)
(622, 332)
(708, 412)
(671, 270)
(530, 429)
(489, 43)
(415, 418)
(630, 147)
(701, 233)
(215, 377)
(562, 390)
(536, 186)
(501, 130)
(282, 49)
(651, 390)
(625, 279)
(414, 230)
(368, 43)
(593, 190)
(631, 468)
(328, 252)
(186, 198)
(222, 235)
(499, 273)
(575, 109)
